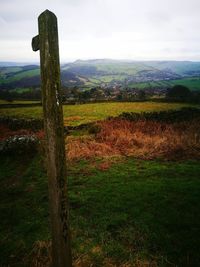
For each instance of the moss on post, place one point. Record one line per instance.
(55, 147)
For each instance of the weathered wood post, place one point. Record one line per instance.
(47, 43)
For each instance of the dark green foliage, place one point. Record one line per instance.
(179, 92)
(21, 123)
(170, 116)
(23, 208)
(20, 92)
(141, 95)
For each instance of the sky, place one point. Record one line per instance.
(117, 29)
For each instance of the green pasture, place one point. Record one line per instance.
(192, 83)
(19, 75)
(135, 211)
(85, 113)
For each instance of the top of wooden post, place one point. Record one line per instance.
(47, 13)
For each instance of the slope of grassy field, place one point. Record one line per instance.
(78, 114)
(192, 83)
(19, 75)
(134, 190)
(110, 66)
(124, 212)
(180, 67)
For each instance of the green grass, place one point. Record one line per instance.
(192, 83)
(20, 75)
(135, 209)
(23, 218)
(25, 74)
(97, 80)
(78, 114)
(8, 70)
(122, 68)
(21, 90)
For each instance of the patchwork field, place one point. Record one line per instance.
(192, 83)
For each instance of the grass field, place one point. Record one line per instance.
(192, 83)
(142, 213)
(78, 114)
(24, 74)
(134, 191)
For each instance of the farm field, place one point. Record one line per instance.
(85, 113)
(192, 83)
(18, 74)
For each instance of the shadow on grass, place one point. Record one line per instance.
(134, 210)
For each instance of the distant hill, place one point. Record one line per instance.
(11, 64)
(105, 72)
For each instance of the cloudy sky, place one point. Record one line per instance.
(119, 29)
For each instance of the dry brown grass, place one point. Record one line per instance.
(40, 256)
(141, 139)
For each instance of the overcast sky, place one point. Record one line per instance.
(118, 29)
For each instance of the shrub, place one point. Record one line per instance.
(179, 92)
(170, 116)
(21, 123)
(94, 129)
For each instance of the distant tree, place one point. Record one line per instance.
(179, 92)
(97, 93)
(85, 95)
(141, 95)
(107, 92)
(75, 92)
(119, 97)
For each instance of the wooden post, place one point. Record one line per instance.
(47, 43)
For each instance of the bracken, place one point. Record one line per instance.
(141, 139)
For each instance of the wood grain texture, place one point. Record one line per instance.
(55, 148)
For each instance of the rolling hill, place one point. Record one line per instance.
(107, 73)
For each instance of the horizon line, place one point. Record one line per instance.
(96, 59)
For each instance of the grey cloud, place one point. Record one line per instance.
(99, 27)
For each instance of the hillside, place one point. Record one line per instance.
(133, 185)
(107, 73)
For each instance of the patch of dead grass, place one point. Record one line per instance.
(40, 256)
(141, 139)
